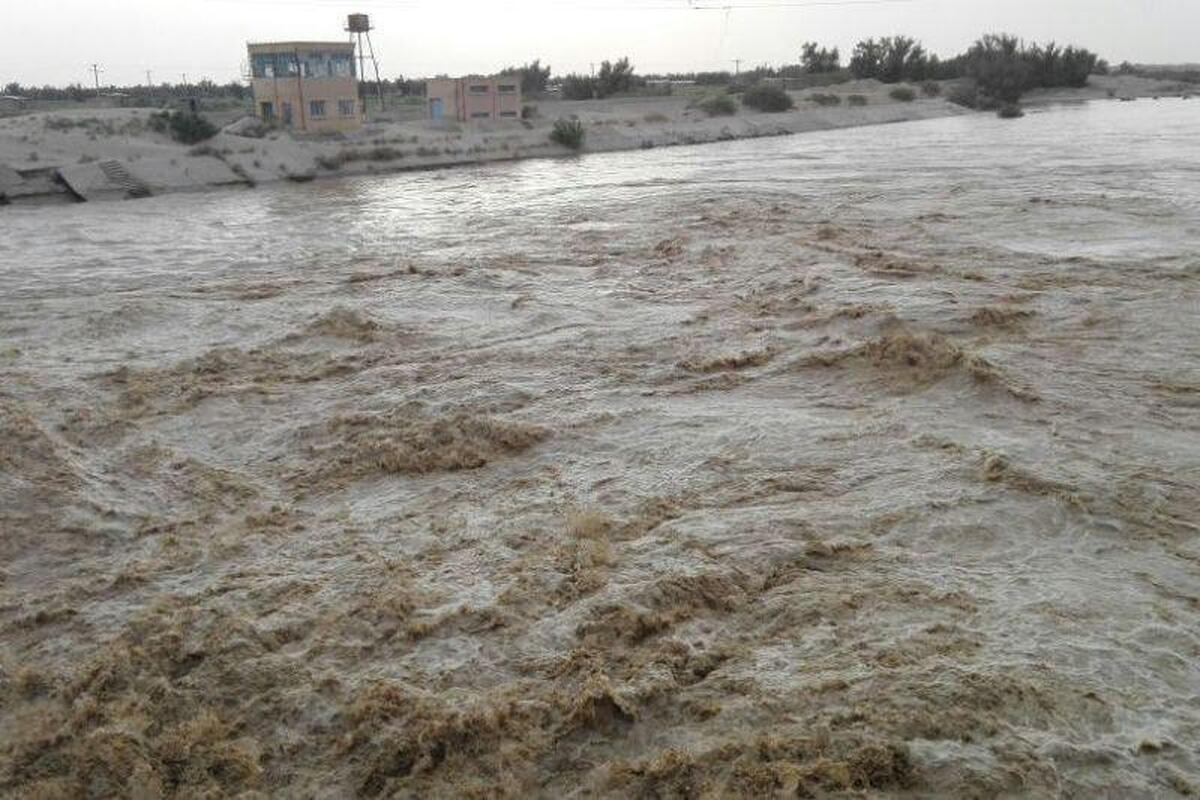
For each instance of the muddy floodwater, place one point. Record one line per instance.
(854, 463)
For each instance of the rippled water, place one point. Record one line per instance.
(865, 460)
(1128, 172)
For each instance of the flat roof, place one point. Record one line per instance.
(498, 76)
(304, 45)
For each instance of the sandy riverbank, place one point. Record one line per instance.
(112, 154)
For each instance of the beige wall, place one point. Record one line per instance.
(475, 98)
(317, 103)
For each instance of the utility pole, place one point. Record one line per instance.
(96, 75)
(737, 66)
(149, 82)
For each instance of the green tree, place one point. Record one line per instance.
(867, 60)
(534, 77)
(614, 78)
(817, 59)
(578, 87)
(998, 64)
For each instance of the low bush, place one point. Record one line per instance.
(655, 117)
(529, 112)
(1010, 111)
(767, 97)
(568, 133)
(825, 99)
(902, 94)
(969, 96)
(346, 156)
(931, 88)
(183, 127)
(717, 105)
(857, 100)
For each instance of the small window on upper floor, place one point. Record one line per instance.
(347, 108)
(481, 115)
(508, 88)
(479, 88)
(316, 108)
(508, 113)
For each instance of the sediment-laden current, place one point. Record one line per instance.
(856, 462)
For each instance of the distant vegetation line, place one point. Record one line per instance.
(1000, 68)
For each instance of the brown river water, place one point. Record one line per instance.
(857, 463)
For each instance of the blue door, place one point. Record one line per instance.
(436, 111)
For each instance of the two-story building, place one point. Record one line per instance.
(474, 98)
(306, 86)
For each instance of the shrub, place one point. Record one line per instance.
(529, 112)
(931, 88)
(1010, 111)
(185, 128)
(825, 99)
(655, 117)
(569, 133)
(969, 96)
(767, 97)
(717, 105)
(346, 156)
(857, 100)
(902, 94)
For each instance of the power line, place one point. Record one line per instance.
(653, 5)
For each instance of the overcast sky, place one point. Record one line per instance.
(53, 41)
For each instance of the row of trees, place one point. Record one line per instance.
(614, 77)
(1004, 67)
(893, 59)
(164, 91)
(994, 59)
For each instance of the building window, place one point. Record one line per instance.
(481, 115)
(267, 111)
(343, 65)
(347, 108)
(479, 88)
(508, 113)
(508, 88)
(263, 65)
(316, 109)
(316, 66)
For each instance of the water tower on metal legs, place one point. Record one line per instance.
(359, 25)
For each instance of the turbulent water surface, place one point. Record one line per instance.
(861, 461)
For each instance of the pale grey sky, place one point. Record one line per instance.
(53, 41)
